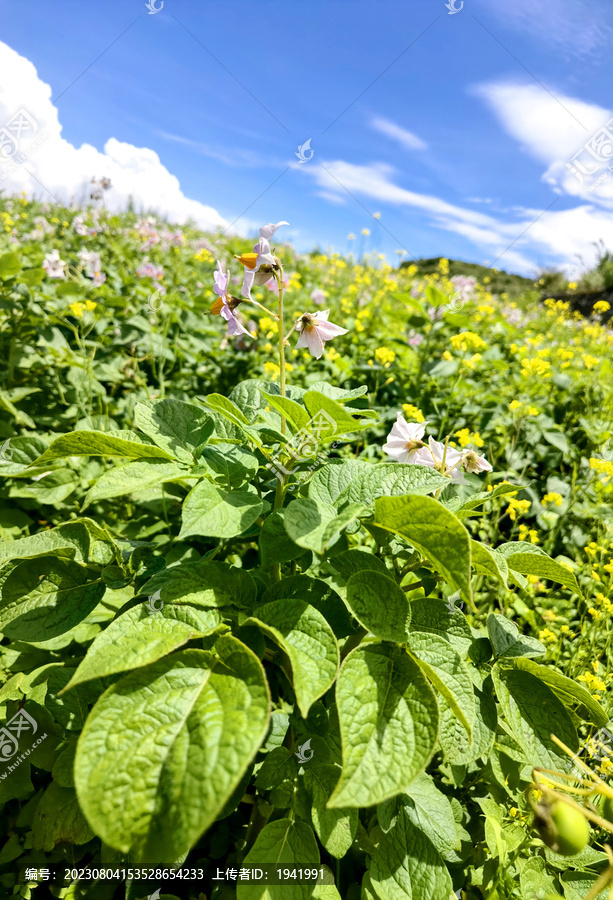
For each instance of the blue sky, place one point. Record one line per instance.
(455, 127)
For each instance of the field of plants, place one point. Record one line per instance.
(306, 564)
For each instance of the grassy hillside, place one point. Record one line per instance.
(497, 280)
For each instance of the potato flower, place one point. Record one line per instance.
(260, 264)
(405, 439)
(225, 304)
(315, 329)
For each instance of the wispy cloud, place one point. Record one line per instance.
(577, 27)
(550, 135)
(232, 156)
(532, 240)
(405, 138)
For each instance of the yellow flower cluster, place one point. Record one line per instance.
(517, 507)
(525, 533)
(466, 437)
(412, 413)
(602, 466)
(593, 682)
(552, 497)
(204, 255)
(79, 308)
(534, 367)
(605, 602)
(467, 340)
(546, 636)
(384, 357)
(601, 306)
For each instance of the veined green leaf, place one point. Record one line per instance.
(164, 748)
(389, 724)
(303, 633)
(434, 531)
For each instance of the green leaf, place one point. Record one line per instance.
(141, 636)
(434, 531)
(329, 482)
(391, 480)
(9, 266)
(527, 559)
(229, 466)
(435, 616)
(319, 594)
(275, 544)
(506, 639)
(99, 443)
(164, 748)
(567, 690)
(482, 497)
(407, 866)
(453, 737)
(204, 585)
(309, 642)
(44, 597)
(428, 809)
(287, 843)
(133, 477)
(388, 721)
(532, 713)
(315, 525)
(335, 828)
(490, 562)
(227, 408)
(59, 819)
(352, 561)
(327, 410)
(296, 415)
(212, 512)
(379, 605)
(443, 667)
(176, 427)
(81, 538)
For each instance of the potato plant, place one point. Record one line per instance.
(258, 627)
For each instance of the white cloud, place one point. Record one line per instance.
(553, 131)
(56, 168)
(405, 138)
(557, 237)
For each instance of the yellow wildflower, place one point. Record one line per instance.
(552, 497)
(412, 413)
(601, 306)
(384, 356)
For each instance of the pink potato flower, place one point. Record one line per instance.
(315, 329)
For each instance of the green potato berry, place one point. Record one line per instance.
(562, 828)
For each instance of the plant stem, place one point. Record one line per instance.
(279, 278)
